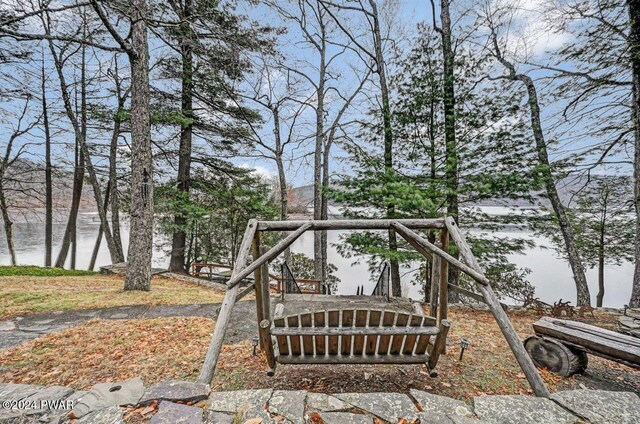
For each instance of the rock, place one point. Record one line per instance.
(387, 406)
(174, 390)
(345, 418)
(434, 418)
(8, 416)
(104, 395)
(76, 396)
(289, 404)
(15, 392)
(441, 404)
(110, 415)
(325, 403)
(219, 418)
(600, 406)
(515, 409)
(13, 338)
(175, 413)
(7, 326)
(233, 401)
(52, 398)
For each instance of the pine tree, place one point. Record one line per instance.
(494, 160)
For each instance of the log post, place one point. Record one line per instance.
(211, 359)
(439, 346)
(435, 284)
(443, 290)
(257, 278)
(267, 342)
(266, 292)
(524, 360)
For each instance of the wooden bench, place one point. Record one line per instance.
(357, 336)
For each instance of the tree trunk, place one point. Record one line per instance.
(451, 147)
(634, 48)
(178, 245)
(84, 160)
(113, 180)
(83, 129)
(282, 177)
(317, 157)
(48, 214)
(138, 274)
(600, 296)
(96, 246)
(324, 203)
(582, 289)
(451, 151)
(78, 179)
(8, 225)
(388, 143)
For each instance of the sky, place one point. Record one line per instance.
(408, 13)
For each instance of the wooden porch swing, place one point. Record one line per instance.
(359, 334)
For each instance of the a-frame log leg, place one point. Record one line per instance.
(439, 345)
(529, 370)
(435, 284)
(211, 359)
(443, 290)
(257, 278)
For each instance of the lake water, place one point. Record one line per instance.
(551, 276)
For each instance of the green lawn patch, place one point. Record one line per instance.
(36, 271)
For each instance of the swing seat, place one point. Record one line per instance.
(358, 336)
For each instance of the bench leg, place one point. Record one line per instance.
(267, 345)
(438, 347)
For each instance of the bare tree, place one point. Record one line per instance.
(7, 178)
(375, 54)
(79, 126)
(634, 47)
(286, 98)
(545, 169)
(48, 226)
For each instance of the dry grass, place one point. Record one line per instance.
(21, 295)
(157, 349)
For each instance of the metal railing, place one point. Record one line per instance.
(288, 280)
(382, 287)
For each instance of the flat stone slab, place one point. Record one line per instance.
(173, 390)
(288, 404)
(14, 338)
(433, 418)
(517, 409)
(345, 418)
(104, 395)
(175, 413)
(7, 325)
(16, 392)
(441, 404)
(326, 403)
(387, 406)
(233, 401)
(601, 406)
(110, 415)
(51, 398)
(219, 418)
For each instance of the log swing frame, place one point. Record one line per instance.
(251, 244)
